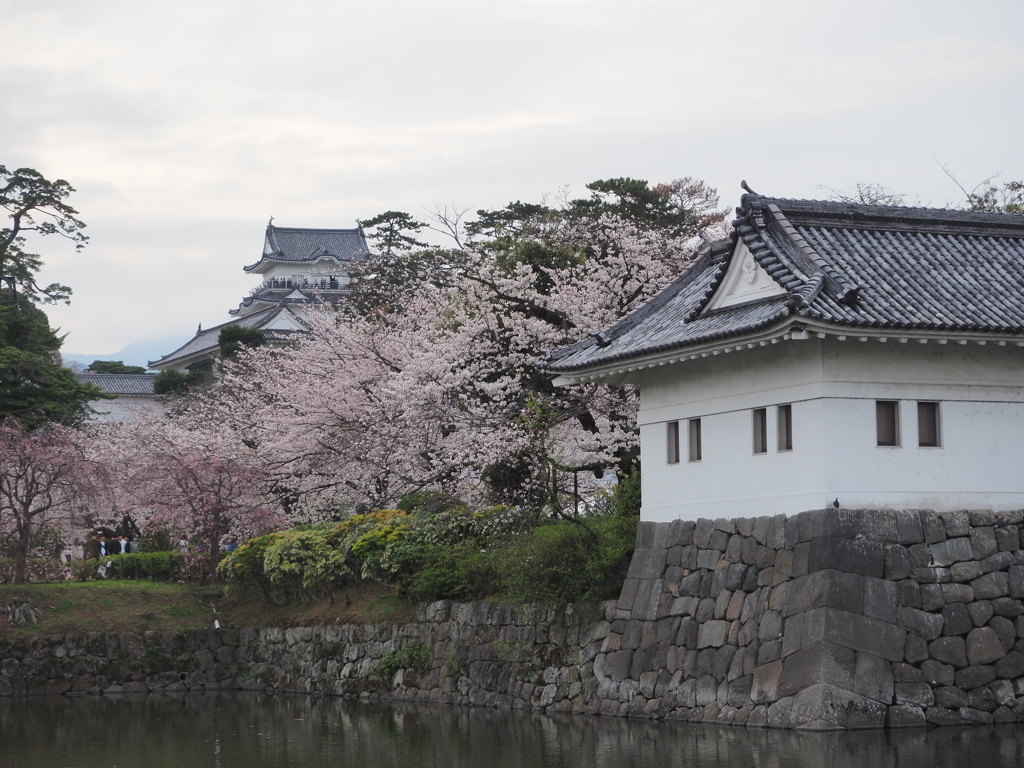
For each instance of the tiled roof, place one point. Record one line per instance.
(843, 264)
(277, 295)
(209, 339)
(120, 383)
(304, 245)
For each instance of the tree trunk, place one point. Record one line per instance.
(21, 554)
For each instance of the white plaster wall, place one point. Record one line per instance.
(124, 408)
(833, 387)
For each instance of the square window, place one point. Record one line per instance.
(760, 430)
(673, 442)
(928, 434)
(784, 418)
(693, 429)
(887, 413)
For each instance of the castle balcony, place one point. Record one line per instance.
(311, 284)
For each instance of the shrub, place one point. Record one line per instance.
(569, 561)
(155, 566)
(460, 572)
(304, 562)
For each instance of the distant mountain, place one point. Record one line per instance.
(136, 353)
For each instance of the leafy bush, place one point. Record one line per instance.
(460, 572)
(304, 562)
(440, 548)
(155, 566)
(569, 561)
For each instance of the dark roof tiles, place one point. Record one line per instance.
(844, 264)
(304, 245)
(123, 384)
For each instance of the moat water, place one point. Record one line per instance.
(253, 731)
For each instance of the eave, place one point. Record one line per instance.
(793, 328)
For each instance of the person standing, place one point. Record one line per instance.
(77, 550)
(133, 546)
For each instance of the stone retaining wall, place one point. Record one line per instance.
(827, 619)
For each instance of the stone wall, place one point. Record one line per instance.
(827, 619)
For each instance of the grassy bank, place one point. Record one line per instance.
(138, 606)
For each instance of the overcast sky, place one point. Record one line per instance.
(186, 125)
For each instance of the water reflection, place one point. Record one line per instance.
(236, 730)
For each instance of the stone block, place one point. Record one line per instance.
(931, 597)
(957, 621)
(908, 593)
(825, 707)
(769, 652)
(957, 593)
(920, 555)
(765, 683)
(904, 716)
(708, 558)
(966, 571)
(983, 699)
(616, 665)
(1008, 607)
(690, 585)
(951, 551)
(645, 534)
(873, 678)
(949, 650)
(970, 678)
(1011, 666)
(826, 588)
(1000, 561)
(713, 634)
(1004, 630)
(1003, 692)
(648, 599)
(915, 694)
(980, 612)
(663, 536)
(821, 662)
(770, 627)
(951, 698)
(942, 716)
(721, 661)
(983, 646)
(719, 540)
(927, 625)
(991, 585)
(780, 714)
(1016, 581)
(861, 633)
(1007, 538)
(983, 542)
(792, 634)
(905, 673)
(626, 596)
(860, 556)
(632, 635)
(880, 599)
(897, 562)
(937, 673)
(956, 523)
(932, 527)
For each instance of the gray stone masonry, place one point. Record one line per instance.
(829, 619)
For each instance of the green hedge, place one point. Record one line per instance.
(154, 566)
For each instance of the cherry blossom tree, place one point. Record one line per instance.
(427, 378)
(42, 474)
